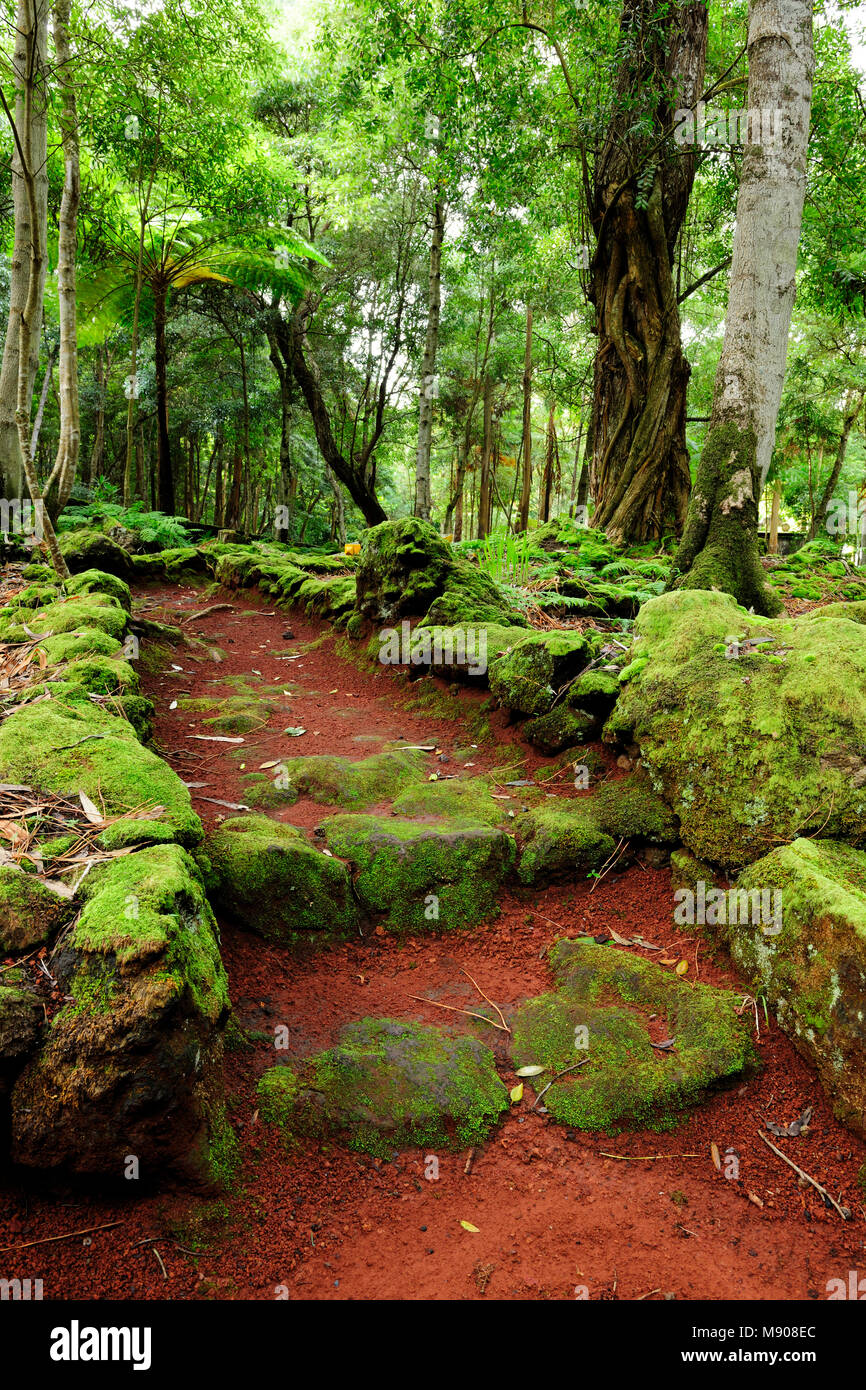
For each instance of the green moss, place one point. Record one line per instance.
(274, 881)
(83, 748)
(465, 799)
(748, 751)
(562, 727)
(598, 1013)
(30, 912)
(441, 875)
(562, 836)
(389, 1084)
(97, 582)
(336, 781)
(151, 906)
(527, 678)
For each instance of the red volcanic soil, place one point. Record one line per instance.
(560, 1214)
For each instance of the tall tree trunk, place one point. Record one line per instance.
(97, 454)
(484, 491)
(719, 548)
(29, 128)
(233, 512)
(640, 467)
(165, 476)
(551, 479)
(851, 410)
(284, 479)
(62, 478)
(218, 500)
(423, 501)
(526, 488)
(775, 508)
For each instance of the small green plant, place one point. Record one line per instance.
(506, 557)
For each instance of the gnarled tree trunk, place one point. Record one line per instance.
(639, 474)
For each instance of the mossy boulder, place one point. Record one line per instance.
(813, 971)
(578, 834)
(98, 582)
(336, 781)
(407, 569)
(269, 877)
(750, 728)
(561, 837)
(389, 1084)
(594, 690)
(434, 874)
(466, 798)
(81, 747)
(131, 1064)
(562, 727)
(528, 678)
(88, 548)
(599, 1015)
(30, 911)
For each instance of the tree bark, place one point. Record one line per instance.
(851, 410)
(423, 499)
(62, 478)
(526, 487)
(719, 548)
(484, 489)
(640, 466)
(30, 126)
(165, 476)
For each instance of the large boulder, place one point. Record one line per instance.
(751, 728)
(88, 548)
(130, 1066)
(813, 971)
(569, 835)
(271, 879)
(31, 911)
(422, 875)
(389, 1084)
(602, 1015)
(406, 569)
(528, 677)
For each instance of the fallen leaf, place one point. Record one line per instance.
(756, 1200)
(620, 940)
(467, 1226)
(716, 1156)
(530, 1071)
(275, 762)
(516, 1093)
(295, 732)
(173, 704)
(92, 812)
(668, 960)
(682, 967)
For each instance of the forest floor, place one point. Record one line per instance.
(560, 1214)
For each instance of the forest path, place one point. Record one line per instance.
(556, 1214)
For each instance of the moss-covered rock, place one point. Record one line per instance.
(336, 781)
(594, 690)
(813, 971)
(562, 727)
(98, 582)
(466, 799)
(88, 548)
(275, 882)
(81, 747)
(387, 1085)
(751, 728)
(407, 569)
(30, 911)
(598, 1014)
(578, 834)
(561, 837)
(131, 1065)
(422, 875)
(528, 678)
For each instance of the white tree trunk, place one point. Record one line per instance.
(423, 500)
(769, 214)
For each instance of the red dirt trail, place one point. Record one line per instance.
(560, 1214)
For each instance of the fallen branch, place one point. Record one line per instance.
(489, 1000)
(644, 1158)
(574, 1067)
(69, 1235)
(467, 1012)
(843, 1211)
